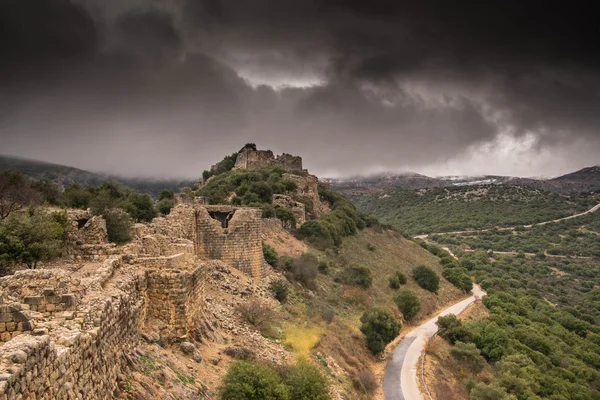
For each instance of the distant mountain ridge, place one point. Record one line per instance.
(585, 179)
(64, 176)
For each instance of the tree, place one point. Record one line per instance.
(482, 391)
(468, 355)
(286, 216)
(118, 226)
(30, 237)
(140, 207)
(408, 304)
(306, 382)
(380, 328)
(15, 193)
(48, 190)
(426, 278)
(77, 197)
(452, 329)
(166, 195)
(458, 277)
(305, 268)
(252, 381)
(165, 206)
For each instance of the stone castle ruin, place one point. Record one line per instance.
(65, 332)
(249, 158)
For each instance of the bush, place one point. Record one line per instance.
(365, 381)
(408, 303)
(304, 269)
(240, 353)
(252, 381)
(380, 328)
(468, 355)
(452, 329)
(401, 277)
(165, 206)
(118, 226)
(396, 280)
(30, 237)
(324, 267)
(270, 254)
(261, 316)
(285, 263)
(286, 216)
(458, 277)
(305, 381)
(356, 275)
(426, 278)
(280, 290)
(313, 228)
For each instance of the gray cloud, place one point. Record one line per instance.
(165, 88)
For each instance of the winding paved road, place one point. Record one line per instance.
(400, 380)
(591, 210)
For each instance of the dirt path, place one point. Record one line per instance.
(400, 380)
(510, 228)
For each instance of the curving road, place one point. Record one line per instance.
(591, 210)
(400, 380)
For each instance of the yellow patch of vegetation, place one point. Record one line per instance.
(303, 338)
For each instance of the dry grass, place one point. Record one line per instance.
(303, 339)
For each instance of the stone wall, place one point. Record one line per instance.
(13, 322)
(238, 245)
(81, 358)
(255, 159)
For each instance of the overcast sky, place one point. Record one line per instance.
(166, 88)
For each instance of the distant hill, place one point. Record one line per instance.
(584, 180)
(408, 180)
(64, 176)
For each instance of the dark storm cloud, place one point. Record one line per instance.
(166, 87)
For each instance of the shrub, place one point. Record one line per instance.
(280, 290)
(380, 328)
(370, 247)
(468, 355)
(285, 262)
(30, 237)
(304, 269)
(118, 226)
(305, 381)
(365, 381)
(252, 381)
(240, 353)
(458, 277)
(401, 277)
(261, 316)
(426, 278)
(286, 216)
(452, 329)
(270, 254)
(408, 304)
(324, 267)
(313, 228)
(356, 275)
(288, 185)
(165, 206)
(396, 280)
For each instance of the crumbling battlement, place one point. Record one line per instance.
(232, 235)
(254, 159)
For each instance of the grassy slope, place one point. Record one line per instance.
(340, 342)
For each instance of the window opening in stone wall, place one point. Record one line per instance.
(222, 217)
(81, 222)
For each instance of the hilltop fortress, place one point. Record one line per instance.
(249, 158)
